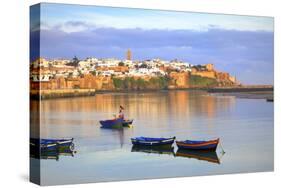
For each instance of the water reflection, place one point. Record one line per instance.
(157, 109)
(115, 134)
(55, 155)
(184, 114)
(209, 156)
(178, 103)
(168, 150)
(34, 118)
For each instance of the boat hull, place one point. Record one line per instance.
(112, 124)
(127, 123)
(151, 142)
(198, 145)
(51, 144)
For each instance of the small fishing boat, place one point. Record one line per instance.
(56, 144)
(127, 122)
(209, 156)
(112, 123)
(37, 144)
(210, 145)
(269, 99)
(147, 141)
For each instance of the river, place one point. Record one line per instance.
(244, 126)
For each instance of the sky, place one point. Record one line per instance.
(240, 45)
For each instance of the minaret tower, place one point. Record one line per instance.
(129, 55)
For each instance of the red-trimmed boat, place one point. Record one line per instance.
(210, 145)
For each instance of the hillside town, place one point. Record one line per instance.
(127, 74)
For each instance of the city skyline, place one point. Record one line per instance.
(241, 45)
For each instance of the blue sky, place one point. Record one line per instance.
(241, 45)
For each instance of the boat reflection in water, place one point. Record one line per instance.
(169, 150)
(52, 154)
(209, 156)
(55, 155)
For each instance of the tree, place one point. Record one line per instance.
(199, 81)
(143, 65)
(121, 64)
(94, 73)
(118, 83)
(141, 83)
(74, 62)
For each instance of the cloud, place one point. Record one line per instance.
(125, 18)
(71, 27)
(230, 50)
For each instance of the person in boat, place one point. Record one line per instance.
(121, 112)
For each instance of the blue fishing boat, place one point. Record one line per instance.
(56, 144)
(112, 123)
(210, 145)
(147, 141)
(51, 144)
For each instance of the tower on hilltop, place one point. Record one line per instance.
(129, 54)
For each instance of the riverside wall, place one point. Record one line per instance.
(60, 93)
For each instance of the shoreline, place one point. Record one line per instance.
(149, 90)
(266, 95)
(259, 92)
(60, 93)
(253, 88)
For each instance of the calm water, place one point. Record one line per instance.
(245, 127)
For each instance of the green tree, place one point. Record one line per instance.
(141, 83)
(94, 73)
(199, 81)
(121, 64)
(126, 83)
(118, 83)
(75, 61)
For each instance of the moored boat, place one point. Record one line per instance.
(210, 145)
(112, 123)
(56, 144)
(148, 141)
(269, 99)
(37, 145)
